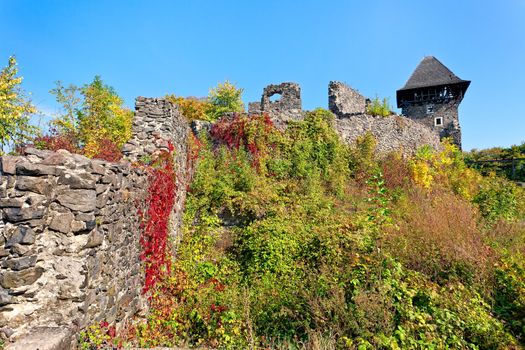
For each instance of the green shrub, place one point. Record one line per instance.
(379, 107)
(225, 98)
(292, 239)
(15, 109)
(500, 199)
(94, 121)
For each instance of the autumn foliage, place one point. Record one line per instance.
(156, 249)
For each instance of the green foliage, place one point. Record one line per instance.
(293, 239)
(224, 98)
(93, 118)
(379, 107)
(510, 293)
(15, 109)
(500, 199)
(489, 161)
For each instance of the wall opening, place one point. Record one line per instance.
(275, 97)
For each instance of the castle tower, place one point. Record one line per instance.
(431, 96)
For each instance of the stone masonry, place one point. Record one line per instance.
(345, 101)
(69, 232)
(287, 108)
(70, 241)
(157, 124)
(392, 133)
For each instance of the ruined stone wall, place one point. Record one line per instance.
(70, 241)
(287, 107)
(157, 124)
(345, 101)
(69, 231)
(392, 133)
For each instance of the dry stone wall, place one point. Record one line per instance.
(392, 133)
(69, 231)
(157, 125)
(70, 239)
(286, 107)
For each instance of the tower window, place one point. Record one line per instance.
(438, 121)
(430, 109)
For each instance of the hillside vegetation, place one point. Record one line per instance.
(506, 162)
(294, 240)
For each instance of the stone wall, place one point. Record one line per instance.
(344, 101)
(69, 231)
(286, 108)
(392, 133)
(70, 243)
(157, 124)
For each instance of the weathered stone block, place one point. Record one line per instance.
(95, 239)
(80, 200)
(34, 184)
(5, 298)
(11, 202)
(23, 214)
(61, 222)
(44, 338)
(22, 263)
(77, 181)
(9, 164)
(14, 279)
(55, 159)
(32, 169)
(19, 235)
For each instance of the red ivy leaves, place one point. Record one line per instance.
(243, 131)
(162, 188)
(107, 150)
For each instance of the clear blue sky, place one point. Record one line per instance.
(151, 48)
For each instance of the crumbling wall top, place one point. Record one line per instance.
(344, 101)
(287, 107)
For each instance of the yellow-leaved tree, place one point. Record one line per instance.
(103, 117)
(94, 120)
(15, 109)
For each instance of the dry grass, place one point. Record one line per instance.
(438, 235)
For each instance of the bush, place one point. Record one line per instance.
(379, 107)
(293, 239)
(93, 122)
(192, 108)
(500, 199)
(438, 235)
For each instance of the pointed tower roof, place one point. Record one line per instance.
(431, 72)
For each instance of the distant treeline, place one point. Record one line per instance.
(507, 162)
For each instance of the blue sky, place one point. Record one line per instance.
(151, 48)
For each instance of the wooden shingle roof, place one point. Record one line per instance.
(431, 72)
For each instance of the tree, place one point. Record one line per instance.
(223, 99)
(93, 117)
(15, 109)
(68, 97)
(103, 117)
